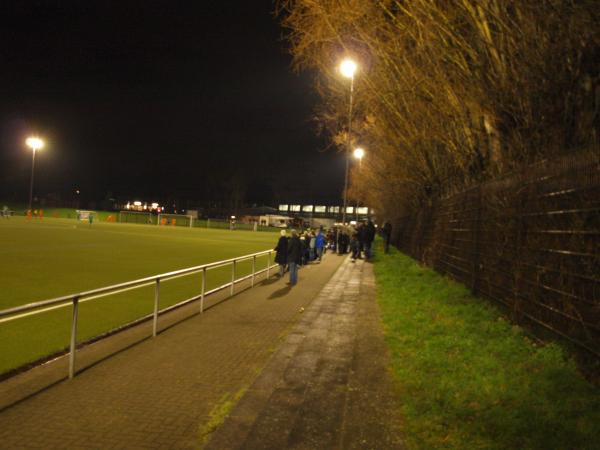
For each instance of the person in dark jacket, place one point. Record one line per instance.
(369, 238)
(387, 236)
(355, 246)
(344, 242)
(294, 256)
(361, 233)
(281, 255)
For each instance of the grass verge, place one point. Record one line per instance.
(470, 379)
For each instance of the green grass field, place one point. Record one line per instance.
(56, 257)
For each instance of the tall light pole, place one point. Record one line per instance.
(35, 144)
(359, 153)
(348, 68)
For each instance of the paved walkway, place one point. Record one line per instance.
(326, 386)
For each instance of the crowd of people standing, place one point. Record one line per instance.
(300, 249)
(297, 250)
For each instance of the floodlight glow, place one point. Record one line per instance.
(348, 67)
(359, 153)
(154, 205)
(136, 203)
(34, 143)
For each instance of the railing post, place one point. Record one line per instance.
(156, 302)
(253, 269)
(268, 264)
(73, 337)
(232, 277)
(203, 289)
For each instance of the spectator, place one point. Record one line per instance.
(312, 245)
(294, 256)
(303, 250)
(360, 237)
(281, 255)
(387, 236)
(320, 244)
(355, 246)
(344, 241)
(369, 238)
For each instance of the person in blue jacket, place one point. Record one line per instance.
(320, 244)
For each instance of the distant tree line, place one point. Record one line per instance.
(449, 92)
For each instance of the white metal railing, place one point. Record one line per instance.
(74, 299)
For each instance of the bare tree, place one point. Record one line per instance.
(450, 92)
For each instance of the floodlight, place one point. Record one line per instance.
(359, 153)
(34, 143)
(348, 67)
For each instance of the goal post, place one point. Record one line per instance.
(135, 217)
(85, 215)
(178, 220)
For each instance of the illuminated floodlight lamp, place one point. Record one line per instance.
(34, 143)
(233, 217)
(348, 68)
(136, 203)
(359, 153)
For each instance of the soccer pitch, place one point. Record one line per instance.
(55, 257)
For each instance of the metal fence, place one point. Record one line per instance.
(75, 299)
(530, 241)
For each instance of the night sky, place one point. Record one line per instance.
(158, 100)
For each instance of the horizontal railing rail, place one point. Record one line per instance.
(75, 299)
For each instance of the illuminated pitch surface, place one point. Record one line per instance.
(56, 257)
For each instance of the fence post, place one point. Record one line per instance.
(73, 337)
(156, 302)
(268, 264)
(232, 276)
(253, 269)
(203, 289)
